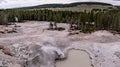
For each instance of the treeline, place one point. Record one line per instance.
(3, 18)
(85, 21)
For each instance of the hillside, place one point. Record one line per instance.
(66, 5)
(118, 7)
(77, 6)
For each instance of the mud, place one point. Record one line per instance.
(35, 46)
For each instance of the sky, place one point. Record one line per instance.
(22, 3)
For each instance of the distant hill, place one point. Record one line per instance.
(77, 6)
(66, 5)
(118, 7)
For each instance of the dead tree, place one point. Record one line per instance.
(51, 25)
(55, 25)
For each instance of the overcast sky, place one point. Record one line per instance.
(22, 3)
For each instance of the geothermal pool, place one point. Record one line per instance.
(76, 58)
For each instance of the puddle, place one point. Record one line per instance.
(76, 58)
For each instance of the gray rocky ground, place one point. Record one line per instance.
(35, 46)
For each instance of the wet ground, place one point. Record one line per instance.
(35, 46)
